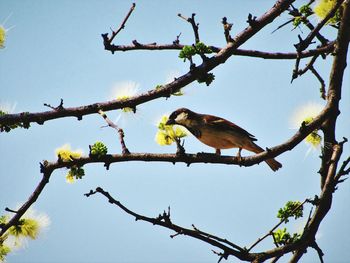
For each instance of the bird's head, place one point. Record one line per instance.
(183, 117)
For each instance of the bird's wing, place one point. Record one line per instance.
(222, 124)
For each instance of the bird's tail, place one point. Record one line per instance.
(274, 165)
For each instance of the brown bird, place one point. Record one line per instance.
(218, 133)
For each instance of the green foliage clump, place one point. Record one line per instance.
(291, 209)
(187, 52)
(206, 78)
(199, 48)
(75, 172)
(306, 10)
(98, 149)
(282, 237)
(297, 21)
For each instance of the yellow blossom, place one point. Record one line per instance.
(124, 90)
(66, 154)
(167, 134)
(2, 36)
(70, 178)
(306, 114)
(31, 225)
(322, 8)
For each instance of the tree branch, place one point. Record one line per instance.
(165, 221)
(167, 89)
(194, 25)
(114, 33)
(31, 200)
(119, 130)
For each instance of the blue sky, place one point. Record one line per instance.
(54, 50)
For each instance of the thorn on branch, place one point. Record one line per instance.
(91, 192)
(165, 216)
(58, 108)
(177, 40)
(227, 29)
(314, 201)
(136, 44)
(107, 165)
(221, 255)
(175, 235)
(302, 127)
(10, 210)
(43, 166)
(252, 20)
(320, 253)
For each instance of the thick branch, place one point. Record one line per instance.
(331, 155)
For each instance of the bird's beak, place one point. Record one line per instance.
(170, 122)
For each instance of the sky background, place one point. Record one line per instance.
(54, 50)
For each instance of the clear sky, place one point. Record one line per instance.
(54, 50)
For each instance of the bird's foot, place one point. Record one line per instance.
(218, 152)
(239, 157)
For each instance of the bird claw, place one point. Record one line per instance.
(239, 157)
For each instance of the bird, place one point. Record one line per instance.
(218, 133)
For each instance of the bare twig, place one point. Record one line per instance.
(194, 25)
(319, 251)
(122, 25)
(225, 241)
(31, 200)
(119, 130)
(320, 79)
(164, 221)
(59, 107)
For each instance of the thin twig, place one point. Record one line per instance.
(31, 200)
(227, 29)
(119, 130)
(270, 233)
(320, 79)
(319, 251)
(194, 25)
(122, 25)
(59, 107)
(168, 224)
(223, 240)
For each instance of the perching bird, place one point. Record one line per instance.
(218, 133)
